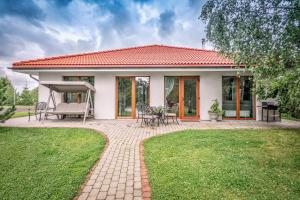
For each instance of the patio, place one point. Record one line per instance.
(117, 175)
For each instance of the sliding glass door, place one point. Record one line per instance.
(238, 98)
(131, 90)
(183, 91)
(246, 97)
(125, 95)
(229, 97)
(142, 90)
(189, 103)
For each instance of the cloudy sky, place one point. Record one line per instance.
(40, 28)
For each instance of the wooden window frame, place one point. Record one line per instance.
(238, 101)
(181, 97)
(133, 98)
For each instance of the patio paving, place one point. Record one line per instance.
(117, 175)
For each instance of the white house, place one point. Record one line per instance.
(155, 75)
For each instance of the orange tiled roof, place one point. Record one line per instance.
(145, 56)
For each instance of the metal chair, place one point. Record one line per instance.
(148, 117)
(140, 111)
(39, 108)
(171, 112)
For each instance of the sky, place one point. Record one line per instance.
(32, 29)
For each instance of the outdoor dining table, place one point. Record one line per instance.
(157, 111)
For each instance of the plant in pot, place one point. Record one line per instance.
(215, 111)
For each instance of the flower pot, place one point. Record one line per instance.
(213, 116)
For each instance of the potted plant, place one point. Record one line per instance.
(215, 111)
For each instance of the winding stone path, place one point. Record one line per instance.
(117, 175)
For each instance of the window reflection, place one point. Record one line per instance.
(229, 96)
(77, 97)
(142, 90)
(171, 90)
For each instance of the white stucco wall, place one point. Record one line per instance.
(105, 85)
(105, 97)
(210, 89)
(156, 89)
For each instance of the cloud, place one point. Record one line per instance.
(25, 9)
(37, 28)
(166, 22)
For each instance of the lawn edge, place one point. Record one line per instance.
(146, 188)
(89, 174)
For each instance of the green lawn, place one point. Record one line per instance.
(225, 164)
(22, 114)
(40, 163)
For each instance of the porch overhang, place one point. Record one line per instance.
(68, 86)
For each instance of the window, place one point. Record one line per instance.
(237, 105)
(229, 96)
(75, 97)
(142, 90)
(171, 90)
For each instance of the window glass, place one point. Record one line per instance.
(142, 90)
(77, 97)
(229, 96)
(246, 97)
(171, 90)
(124, 96)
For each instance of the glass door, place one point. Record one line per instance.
(125, 96)
(229, 105)
(246, 97)
(238, 99)
(189, 106)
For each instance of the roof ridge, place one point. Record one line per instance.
(187, 48)
(108, 51)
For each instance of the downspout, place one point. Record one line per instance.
(30, 75)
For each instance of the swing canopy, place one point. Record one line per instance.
(85, 108)
(68, 86)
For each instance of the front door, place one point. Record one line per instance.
(189, 98)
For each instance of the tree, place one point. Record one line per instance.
(34, 93)
(264, 36)
(10, 90)
(5, 112)
(25, 97)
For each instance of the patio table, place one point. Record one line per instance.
(158, 112)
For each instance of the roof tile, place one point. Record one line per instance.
(143, 56)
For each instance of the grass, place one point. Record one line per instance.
(225, 164)
(22, 114)
(40, 163)
(289, 117)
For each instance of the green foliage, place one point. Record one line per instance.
(28, 97)
(46, 163)
(263, 35)
(5, 112)
(224, 164)
(215, 108)
(9, 94)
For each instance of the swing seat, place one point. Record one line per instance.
(85, 108)
(69, 109)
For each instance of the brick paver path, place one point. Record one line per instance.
(117, 175)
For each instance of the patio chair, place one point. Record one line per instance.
(171, 113)
(148, 117)
(140, 111)
(39, 108)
